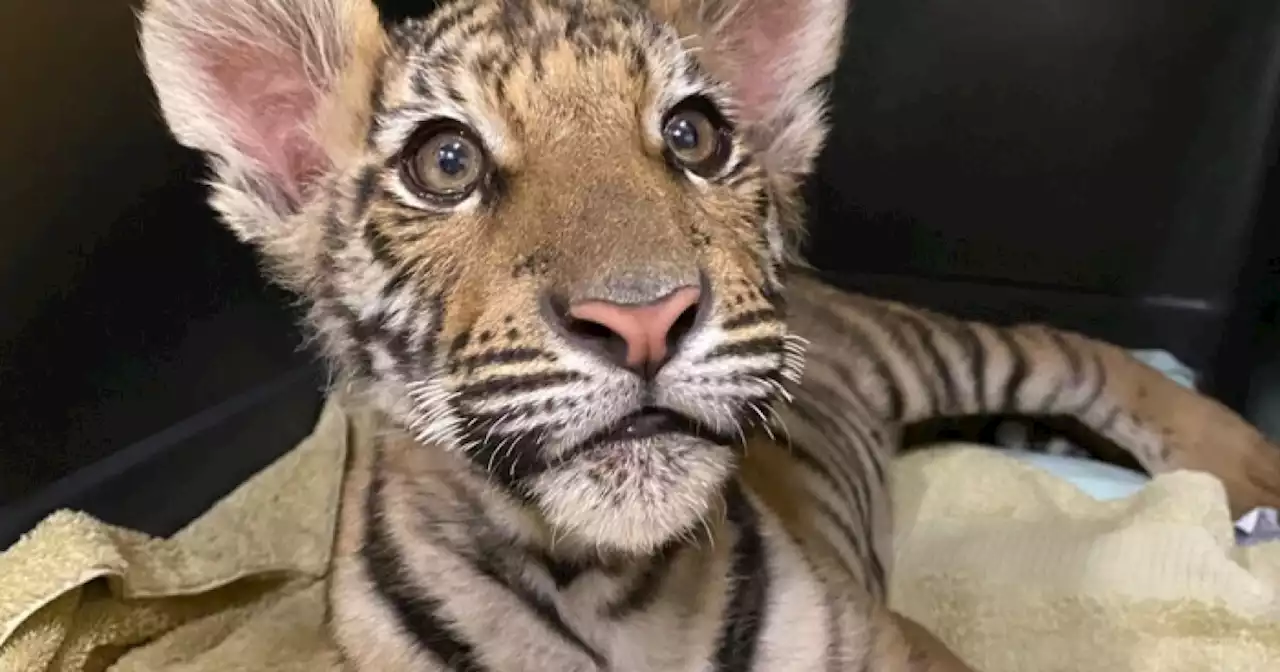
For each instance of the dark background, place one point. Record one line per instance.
(1102, 166)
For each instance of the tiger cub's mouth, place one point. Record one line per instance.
(647, 422)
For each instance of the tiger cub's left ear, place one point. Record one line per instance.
(772, 54)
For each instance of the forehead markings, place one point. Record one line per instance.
(553, 74)
(490, 86)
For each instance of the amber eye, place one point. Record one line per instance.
(697, 137)
(445, 162)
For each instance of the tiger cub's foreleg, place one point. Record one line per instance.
(1162, 424)
(825, 483)
(910, 364)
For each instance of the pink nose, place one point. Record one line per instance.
(647, 331)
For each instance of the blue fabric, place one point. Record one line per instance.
(1099, 479)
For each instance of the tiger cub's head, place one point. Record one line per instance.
(545, 234)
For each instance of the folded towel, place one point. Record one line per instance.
(1011, 566)
(1017, 569)
(240, 588)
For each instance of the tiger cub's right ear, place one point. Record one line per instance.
(274, 91)
(772, 54)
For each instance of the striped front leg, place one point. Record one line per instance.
(909, 364)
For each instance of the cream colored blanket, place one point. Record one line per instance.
(1013, 568)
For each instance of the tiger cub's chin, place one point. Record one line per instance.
(635, 497)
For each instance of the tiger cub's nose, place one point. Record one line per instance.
(639, 337)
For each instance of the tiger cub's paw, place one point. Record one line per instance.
(1251, 475)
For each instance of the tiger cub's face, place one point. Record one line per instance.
(545, 234)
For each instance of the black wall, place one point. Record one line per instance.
(1094, 164)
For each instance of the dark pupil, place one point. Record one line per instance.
(453, 157)
(683, 134)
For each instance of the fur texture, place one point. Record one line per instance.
(513, 517)
(438, 310)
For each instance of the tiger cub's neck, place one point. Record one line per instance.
(462, 570)
(459, 541)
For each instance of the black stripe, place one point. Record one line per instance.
(864, 346)
(1063, 381)
(975, 355)
(501, 559)
(541, 607)
(773, 293)
(510, 459)
(947, 397)
(445, 20)
(562, 572)
(1074, 374)
(1099, 384)
(399, 279)
(360, 359)
(879, 579)
(838, 481)
(749, 318)
(514, 385)
(1017, 373)
(460, 341)
(416, 611)
(877, 467)
(869, 482)
(764, 216)
(900, 346)
(403, 362)
(435, 307)
(754, 346)
(644, 590)
(380, 246)
(421, 82)
(366, 189)
(862, 498)
(826, 472)
(744, 616)
(895, 330)
(403, 34)
(497, 357)
(837, 364)
(871, 440)
(861, 543)
(466, 32)
(846, 483)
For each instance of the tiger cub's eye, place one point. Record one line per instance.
(697, 137)
(444, 162)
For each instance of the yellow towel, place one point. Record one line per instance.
(240, 588)
(1016, 569)
(1012, 567)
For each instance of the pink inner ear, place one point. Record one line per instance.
(267, 102)
(764, 35)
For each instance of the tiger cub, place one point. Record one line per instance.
(552, 243)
